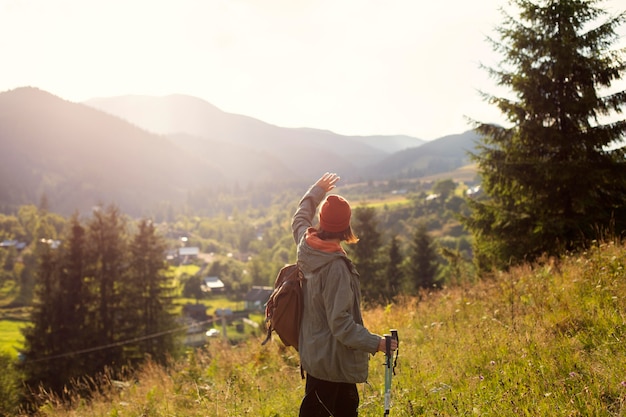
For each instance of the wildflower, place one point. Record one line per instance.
(623, 383)
(492, 363)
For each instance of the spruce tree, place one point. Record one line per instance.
(366, 254)
(556, 178)
(423, 266)
(148, 298)
(41, 340)
(60, 323)
(72, 302)
(107, 254)
(393, 272)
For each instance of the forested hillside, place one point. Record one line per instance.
(257, 239)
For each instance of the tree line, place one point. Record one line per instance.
(102, 301)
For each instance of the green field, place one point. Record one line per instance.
(13, 319)
(10, 336)
(212, 303)
(394, 201)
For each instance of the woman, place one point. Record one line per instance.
(334, 345)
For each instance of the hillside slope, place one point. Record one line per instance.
(191, 115)
(444, 154)
(241, 135)
(159, 153)
(78, 156)
(356, 157)
(543, 340)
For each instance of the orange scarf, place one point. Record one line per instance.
(324, 245)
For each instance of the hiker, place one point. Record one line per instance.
(334, 345)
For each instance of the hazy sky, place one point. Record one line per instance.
(356, 67)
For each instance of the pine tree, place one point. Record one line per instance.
(393, 272)
(107, 254)
(554, 180)
(366, 254)
(40, 337)
(59, 320)
(148, 298)
(72, 302)
(423, 264)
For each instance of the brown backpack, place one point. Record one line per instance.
(283, 311)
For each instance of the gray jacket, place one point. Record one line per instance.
(334, 344)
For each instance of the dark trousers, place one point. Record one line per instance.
(324, 399)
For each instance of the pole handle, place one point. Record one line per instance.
(394, 334)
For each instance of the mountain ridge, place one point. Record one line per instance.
(164, 115)
(78, 155)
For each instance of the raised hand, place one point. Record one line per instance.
(328, 181)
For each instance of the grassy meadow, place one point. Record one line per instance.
(545, 340)
(12, 320)
(10, 336)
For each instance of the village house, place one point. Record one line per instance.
(188, 253)
(212, 285)
(195, 334)
(257, 297)
(196, 312)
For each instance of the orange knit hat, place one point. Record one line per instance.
(335, 214)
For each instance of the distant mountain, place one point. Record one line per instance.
(199, 126)
(444, 154)
(390, 144)
(143, 152)
(79, 157)
(244, 149)
(185, 114)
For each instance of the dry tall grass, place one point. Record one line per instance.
(545, 340)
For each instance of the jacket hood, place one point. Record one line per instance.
(312, 259)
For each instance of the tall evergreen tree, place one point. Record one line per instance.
(72, 301)
(60, 321)
(40, 337)
(555, 178)
(148, 298)
(107, 253)
(423, 265)
(367, 254)
(393, 272)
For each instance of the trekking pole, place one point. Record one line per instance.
(390, 366)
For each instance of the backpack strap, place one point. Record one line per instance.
(268, 337)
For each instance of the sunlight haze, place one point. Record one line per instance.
(355, 67)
